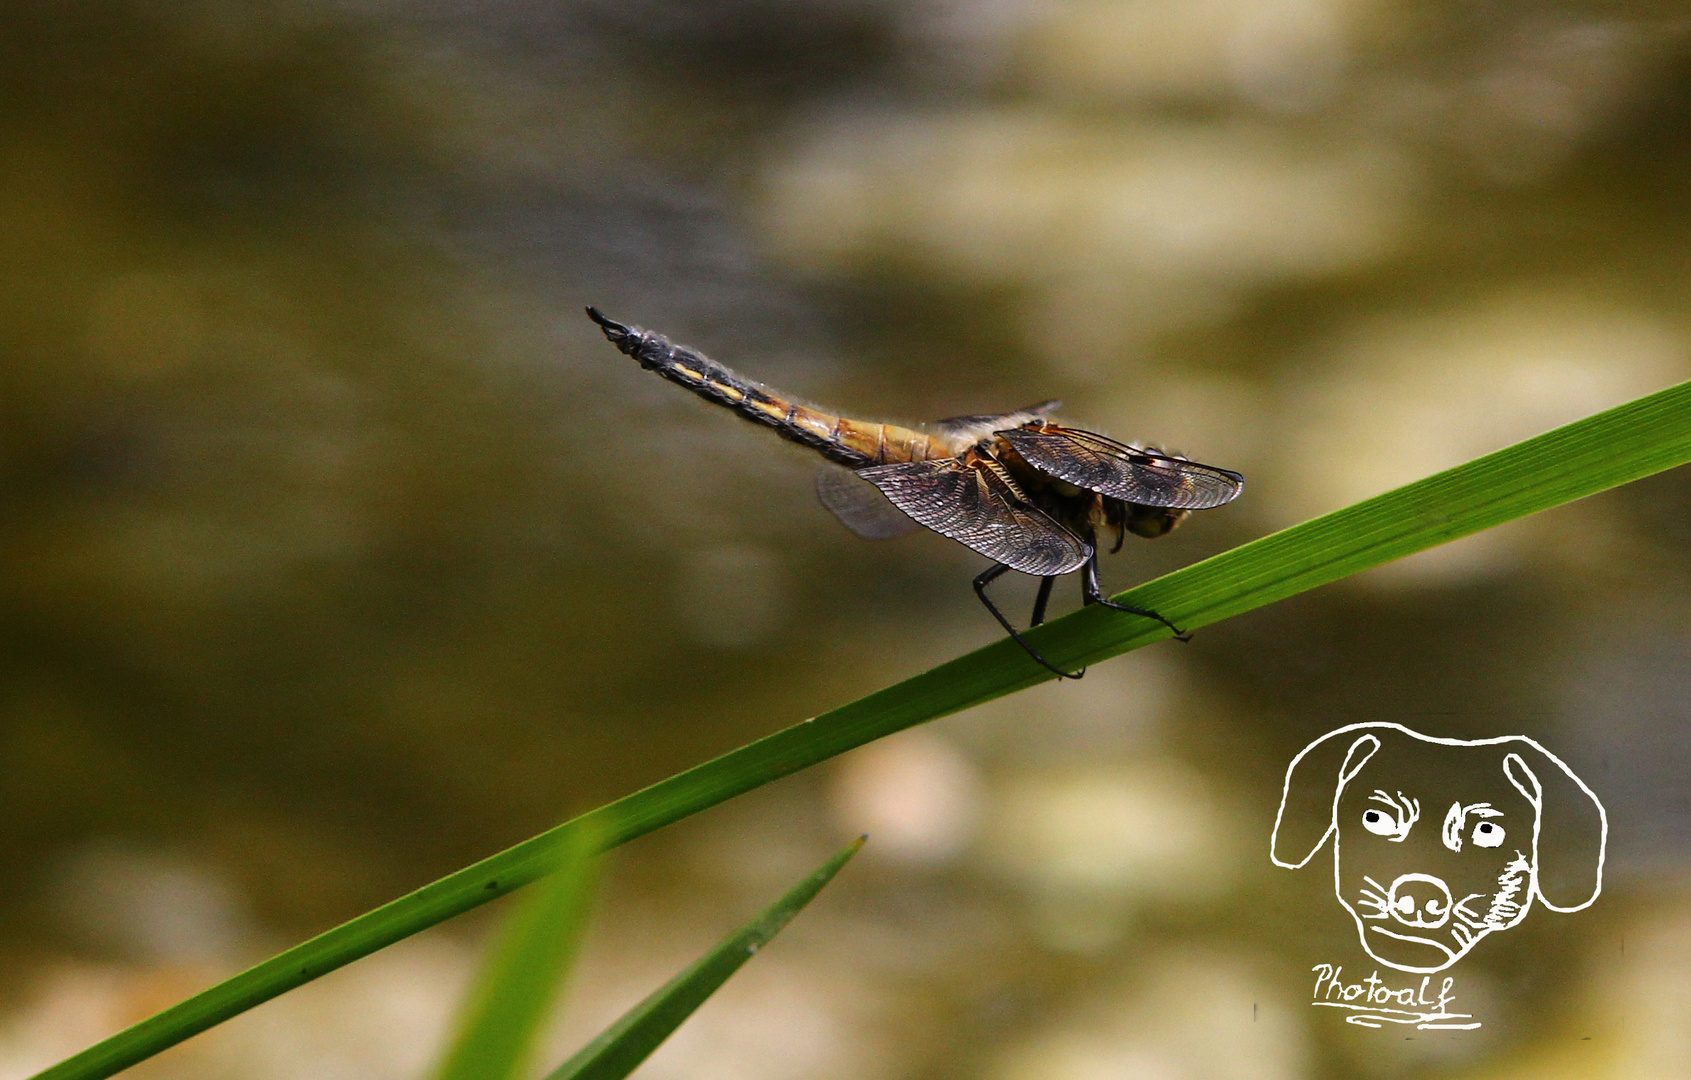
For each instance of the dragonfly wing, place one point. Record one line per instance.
(860, 506)
(980, 511)
(1129, 473)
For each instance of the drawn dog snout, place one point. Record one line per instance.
(1520, 829)
(1419, 900)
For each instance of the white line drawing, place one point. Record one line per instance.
(1333, 992)
(1520, 827)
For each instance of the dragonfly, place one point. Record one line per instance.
(1026, 491)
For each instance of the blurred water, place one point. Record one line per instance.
(343, 550)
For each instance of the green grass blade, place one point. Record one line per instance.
(1625, 443)
(524, 971)
(620, 1048)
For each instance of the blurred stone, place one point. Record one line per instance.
(824, 1000)
(780, 1019)
(1089, 846)
(69, 1006)
(1289, 56)
(1133, 48)
(387, 1017)
(1098, 326)
(915, 793)
(1119, 712)
(1191, 1014)
(150, 906)
(1419, 394)
(1019, 195)
(384, 1018)
(1286, 55)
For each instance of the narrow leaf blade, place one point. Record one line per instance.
(620, 1048)
(525, 969)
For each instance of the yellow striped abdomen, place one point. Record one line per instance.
(885, 444)
(855, 444)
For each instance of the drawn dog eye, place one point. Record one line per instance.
(1488, 834)
(1383, 824)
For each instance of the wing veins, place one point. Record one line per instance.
(1136, 475)
(982, 509)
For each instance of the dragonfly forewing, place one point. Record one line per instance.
(1146, 477)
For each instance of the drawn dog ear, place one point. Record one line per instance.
(1309, 798)
(1570, 837)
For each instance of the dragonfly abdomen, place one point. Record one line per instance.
(855, 444)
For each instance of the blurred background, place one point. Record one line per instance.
(341, 550)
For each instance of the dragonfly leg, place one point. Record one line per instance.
(1044, 598)
(1090, 593)
(987, 577)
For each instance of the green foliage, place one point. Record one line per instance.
(1592, 455)
(621, 1048)
(526, 966)
(531, 956)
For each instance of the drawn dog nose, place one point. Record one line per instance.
(1419, 900)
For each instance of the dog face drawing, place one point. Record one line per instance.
(1439, 842)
